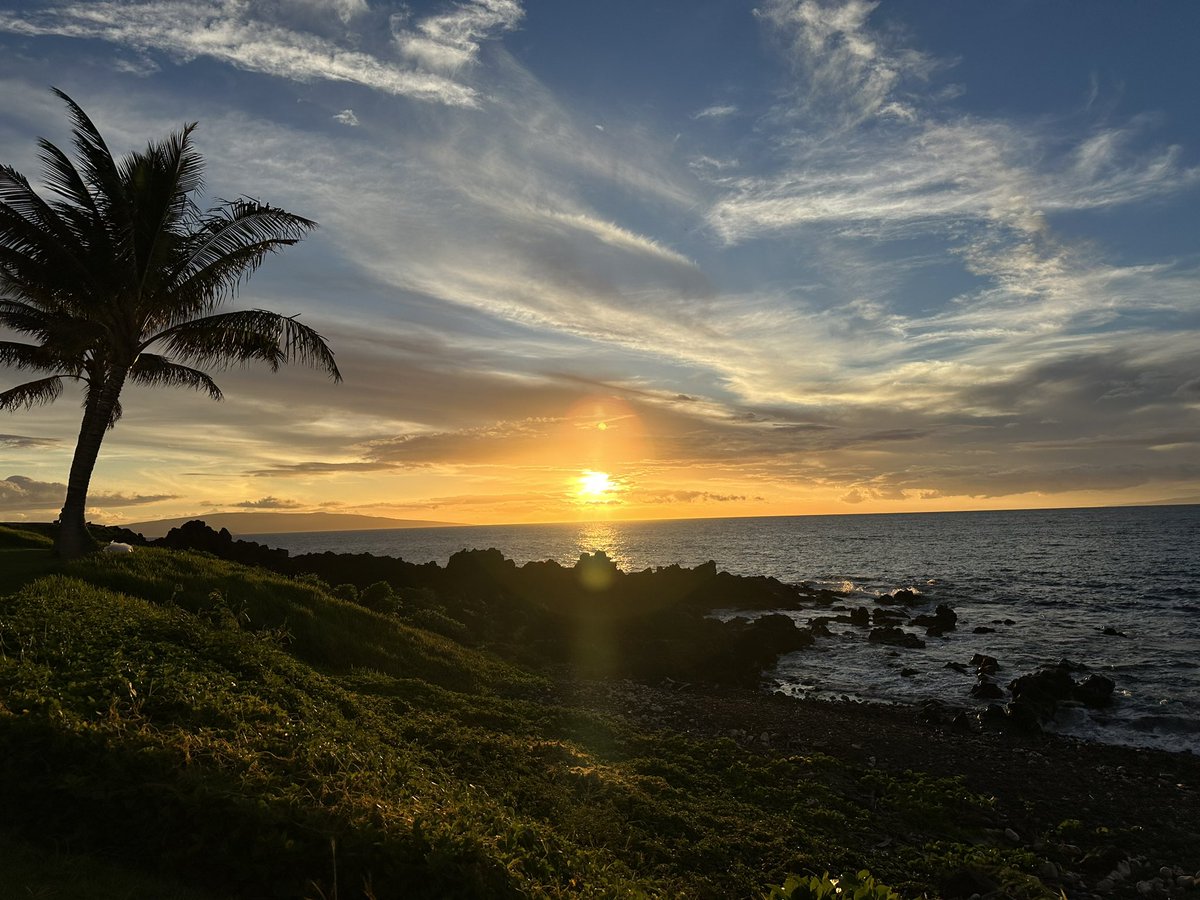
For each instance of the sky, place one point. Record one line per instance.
(658, 259)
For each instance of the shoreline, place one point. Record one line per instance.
(475, 672)
(1040, 783)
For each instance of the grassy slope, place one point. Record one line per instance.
(248, 733)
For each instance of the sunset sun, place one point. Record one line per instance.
(595, 485)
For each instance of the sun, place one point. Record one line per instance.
(594, 485)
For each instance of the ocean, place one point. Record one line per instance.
(1060, 577)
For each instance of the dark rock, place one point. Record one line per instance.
(983, 629)
(1022, 717)
(903, 595)
(894, 636)
(993, 717)
(860, 617)
(984, 664)
(196, 535)
(888, 616)
(1095, 691)
(986, 689)
(908, 673)
(1112, 632)
(819, 627)
(1039, 693)
(957, 667)
(943, 619)
(965, 883)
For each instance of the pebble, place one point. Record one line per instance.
(1145, 888)
(1123, 868)
(1012, 835)
(1185, 881)
(1104, 885)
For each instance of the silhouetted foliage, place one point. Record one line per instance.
(117, 279)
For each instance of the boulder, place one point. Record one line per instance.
(984, 664)
(1038, 694)
(943, 619)
(986, 689)
(888, 616)
(895, 637)
(1095, 691)
(860, 617)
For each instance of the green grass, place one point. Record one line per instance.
(37, 873)
(190, 719)
(24, 555)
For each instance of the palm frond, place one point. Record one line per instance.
(166, 174)
(19, 315)
(64, 179)
(28, 222)
(25, 356)
(153, 370)
(248, 335)
(32, 393)
(230, 243)
(98, 168)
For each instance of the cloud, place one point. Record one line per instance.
(227, 30)
(717, 111)
(688, 496)
(268, 503)
(316, 467)
(24, 442)
(346, 117)
(451, 40)
(17, 492)
(845, 71)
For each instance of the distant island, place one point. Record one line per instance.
(240, 523)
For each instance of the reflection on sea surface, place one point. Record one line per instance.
(612, 539)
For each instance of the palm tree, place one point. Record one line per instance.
(121, 262)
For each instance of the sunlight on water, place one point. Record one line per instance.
(1030, 587)
(606, 536)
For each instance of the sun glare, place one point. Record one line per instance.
(593, 485)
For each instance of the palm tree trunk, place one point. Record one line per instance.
(73, 539)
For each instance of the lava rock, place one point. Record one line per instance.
(888, 616)
(984, 664)
(894, 636)
(986, 689)
(1095, 691)
(943, 619)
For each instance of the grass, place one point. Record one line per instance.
(188, 719)
(38, 873)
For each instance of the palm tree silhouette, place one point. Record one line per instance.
(122, 261)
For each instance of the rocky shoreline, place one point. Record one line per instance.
(1147, 800)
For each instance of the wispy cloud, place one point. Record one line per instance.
(449, 41)
(25, 442)
(227, 30)
(844, 69)
(269, 503)
(346, 117)
(18, 492)
(716, 111)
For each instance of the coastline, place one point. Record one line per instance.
(1040, 783)
(700, 786)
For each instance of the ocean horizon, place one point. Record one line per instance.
(1115, 589)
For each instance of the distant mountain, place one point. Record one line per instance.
(241, 523)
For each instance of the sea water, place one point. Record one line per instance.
(1060, 577)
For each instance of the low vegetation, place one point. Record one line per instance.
(170, 715)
